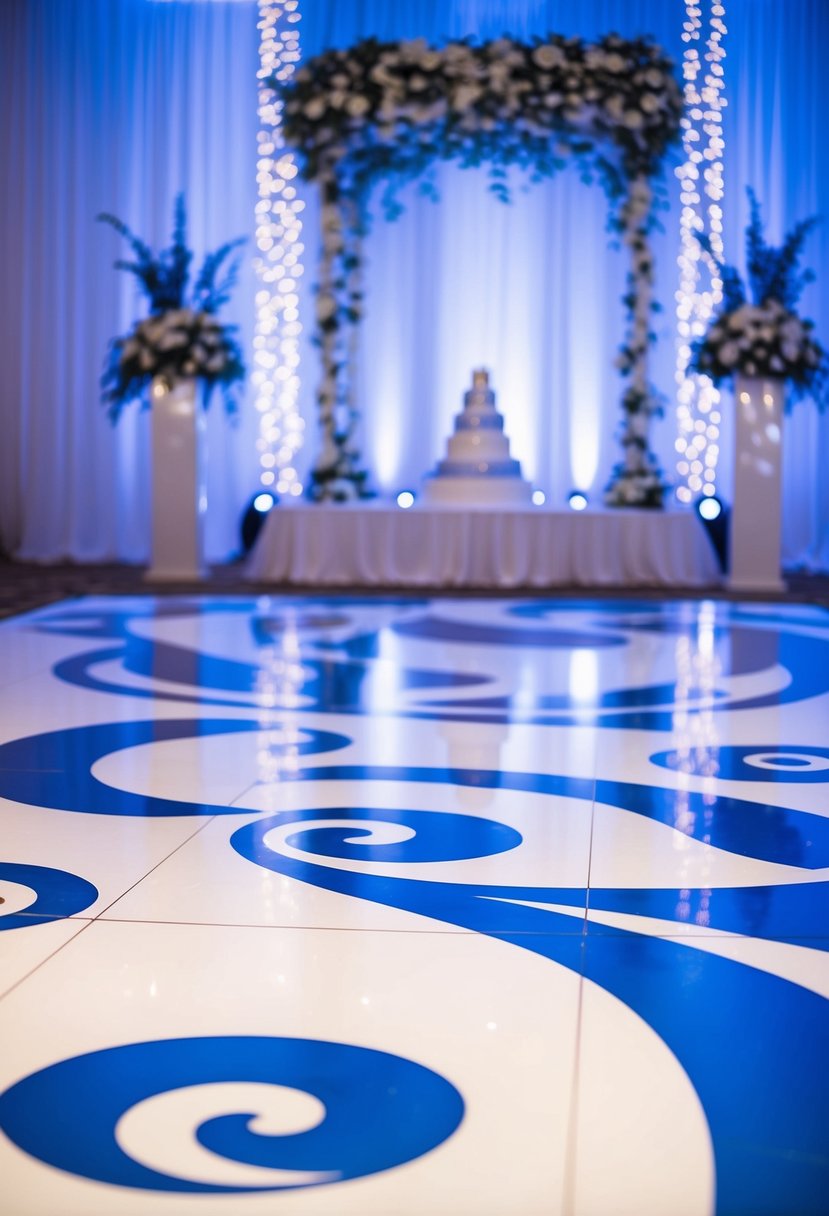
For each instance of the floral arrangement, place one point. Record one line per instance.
(386, 111)
(182, 337)
(763, 335)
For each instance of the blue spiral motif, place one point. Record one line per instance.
(721, 1019)
(432, 837)
(774, 762)
(381, 1110)
(58, 894)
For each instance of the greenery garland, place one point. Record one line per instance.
(181, 338)
(386, 111)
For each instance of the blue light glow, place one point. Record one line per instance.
(263, 503)
(405, 499)
(577, 501)
(709, 508)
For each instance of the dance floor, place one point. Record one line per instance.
(393, 906)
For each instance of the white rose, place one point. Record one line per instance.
(649, 103)
(789, 352)
(465, 96)
(728, 354)
(430, 61)
(315, 108)
(633, 119)
(357, 106)
(174, 339)
(614, 62)
(739, 319)
(546, 56)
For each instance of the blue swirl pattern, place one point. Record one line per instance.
(380, 1109)
(58, 894)
(765, 1093)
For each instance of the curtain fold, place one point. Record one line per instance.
(117, 106)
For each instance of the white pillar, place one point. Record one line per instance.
(756, 510)
(179, 498)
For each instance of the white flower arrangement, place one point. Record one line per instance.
(387, 111)
(766, 337)
(178, 340)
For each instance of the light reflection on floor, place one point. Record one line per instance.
(336, 905)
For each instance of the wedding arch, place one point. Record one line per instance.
(387, 111)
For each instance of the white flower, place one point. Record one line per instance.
(315, 108)
(614, 62)
(430, 61)
(173, 340)
(465, 96)
(789, 351)
(740, 318)
(553, 100)
(633, 119)
(546, 56)
(655, 78)
(326, 306)
(216, 363)
(417, 83)
(649, 103)
(357, 106)
(728, 354)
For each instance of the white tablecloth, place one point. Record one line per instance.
(375, 544)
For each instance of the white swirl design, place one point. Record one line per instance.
(160, 1132)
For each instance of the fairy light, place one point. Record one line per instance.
(700, 287)
(278, 263)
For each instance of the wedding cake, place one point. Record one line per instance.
(478, 470)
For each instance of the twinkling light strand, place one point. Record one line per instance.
(700, 287)
(278, 261)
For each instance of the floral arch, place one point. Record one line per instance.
(386, 111)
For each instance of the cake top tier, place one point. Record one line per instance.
(480, 397)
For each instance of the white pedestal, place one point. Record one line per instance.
(179, 498)
(755, 515)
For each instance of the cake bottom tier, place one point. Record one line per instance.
(476, 491)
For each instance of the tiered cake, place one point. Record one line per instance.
(477, 470)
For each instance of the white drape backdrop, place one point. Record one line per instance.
(117, 106)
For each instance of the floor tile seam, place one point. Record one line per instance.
(235, 801)
(586, 919)
(595, 929)
(568, 1196)
(23, 979)
(159, 863)
(498, 935)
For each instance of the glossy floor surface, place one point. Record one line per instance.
(337, 906)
